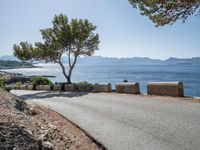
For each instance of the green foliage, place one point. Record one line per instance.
(18, 85)
(3, 86)
(8, 88)
(40, 81)
(167, 12)
(2, 80)
(73, 39)
(23, 51)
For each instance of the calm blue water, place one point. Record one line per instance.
(188, 74)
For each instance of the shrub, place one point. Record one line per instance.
(40, 81)
(18, 85)
(2, 80)
(3, 86)
(8, 88)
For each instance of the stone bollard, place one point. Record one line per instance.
(57, 87)
(128, 88)
(29, 87)
(102, 87)
(175, 89)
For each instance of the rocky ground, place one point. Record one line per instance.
(27, 126)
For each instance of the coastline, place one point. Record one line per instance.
(4, 68)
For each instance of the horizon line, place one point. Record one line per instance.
(127, 57)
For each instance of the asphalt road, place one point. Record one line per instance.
(128, 122)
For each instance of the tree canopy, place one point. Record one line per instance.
(163, 12)
(71, 39)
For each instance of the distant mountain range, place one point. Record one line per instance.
(138, 60)
(135, 60)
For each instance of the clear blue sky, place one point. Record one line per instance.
(123, 31)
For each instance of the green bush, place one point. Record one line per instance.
(2, 80)
(18, 85)
(8, 88)
(40, 81)
(3, 86)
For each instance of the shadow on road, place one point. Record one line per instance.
(46, 94)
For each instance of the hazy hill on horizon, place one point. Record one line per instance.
(100, 60)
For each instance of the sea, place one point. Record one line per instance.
(116, 73)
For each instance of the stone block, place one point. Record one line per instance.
(47, 87)
(57, 87)
(29, 87)
(39, 87)
(43, 87)
(102, 87)
(84, 87)
(128, 88)
(70, 87)
(175, 89)
(23, 87)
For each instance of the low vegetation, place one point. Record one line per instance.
(2, 80)
(3, 86)
(40, 81)
(18, 85)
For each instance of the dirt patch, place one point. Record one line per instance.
(29, 126)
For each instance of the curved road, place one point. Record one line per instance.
(128, 122)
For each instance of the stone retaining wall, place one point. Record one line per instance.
(153, 88)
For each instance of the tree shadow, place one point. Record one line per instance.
(51, 94)
(13, 136)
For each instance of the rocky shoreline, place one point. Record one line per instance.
(12, 78)
(28, 126)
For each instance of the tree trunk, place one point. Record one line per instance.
(68, 79)
(64, 72)
(71, 67)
